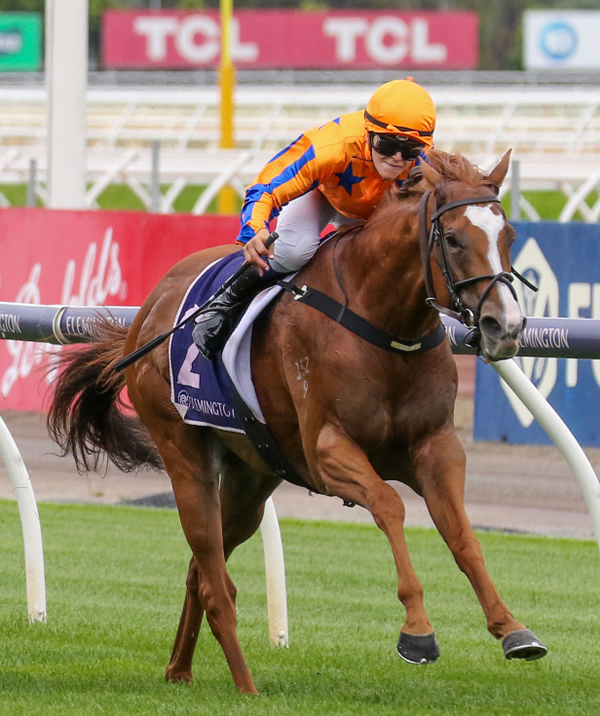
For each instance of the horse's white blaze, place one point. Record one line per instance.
(484, 218)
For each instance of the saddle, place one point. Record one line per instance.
(219, 392)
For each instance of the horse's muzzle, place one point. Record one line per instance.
(500, 340)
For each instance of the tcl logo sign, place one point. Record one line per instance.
(386, 40)
(197, 39)
(280, 38)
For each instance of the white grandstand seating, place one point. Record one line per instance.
(554, 134)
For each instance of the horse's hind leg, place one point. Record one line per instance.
(179, 667)
(244, 491)
(193, 472)
(243, 494)
(441, 472)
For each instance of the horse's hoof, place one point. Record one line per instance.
(417, 649)
(178, 677)
(523, 644)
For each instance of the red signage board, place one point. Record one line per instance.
(334, 39)
(86, 258)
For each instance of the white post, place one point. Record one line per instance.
(275, 571)
(155, 177)
(31, 184)
(30, 524)
(66, 85)
(515, 190)
(563, 438)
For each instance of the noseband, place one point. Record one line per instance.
(435, 239)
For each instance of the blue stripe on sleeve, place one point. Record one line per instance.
(293, 169)
(256, 191)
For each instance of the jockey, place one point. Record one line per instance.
(332, 174)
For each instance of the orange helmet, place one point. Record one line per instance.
(402, 107)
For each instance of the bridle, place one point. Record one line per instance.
(435, 241)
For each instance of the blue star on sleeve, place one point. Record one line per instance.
(348, 179)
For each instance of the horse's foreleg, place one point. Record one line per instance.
(209, 588)
(440, 466)
(346, 472)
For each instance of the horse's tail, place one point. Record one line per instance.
(86, 416)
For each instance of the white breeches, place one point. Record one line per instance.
(299, 226)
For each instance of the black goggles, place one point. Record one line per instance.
(389, 144)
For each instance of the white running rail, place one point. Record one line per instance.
(30, 524)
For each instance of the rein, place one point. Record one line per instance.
(435, 239)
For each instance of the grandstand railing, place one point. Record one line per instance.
(554, 135)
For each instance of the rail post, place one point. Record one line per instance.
(560, 434)
(30, 524)
(275, 572)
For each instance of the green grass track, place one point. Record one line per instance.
(115, 583)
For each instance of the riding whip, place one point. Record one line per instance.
(151, 345)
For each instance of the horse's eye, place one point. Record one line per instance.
(451, 241)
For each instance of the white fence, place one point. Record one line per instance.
(554, 134)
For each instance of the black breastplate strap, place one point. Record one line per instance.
(359, 326)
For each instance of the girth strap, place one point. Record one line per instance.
(266, 446)
(358, 325)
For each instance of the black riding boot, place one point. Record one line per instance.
(214, 324)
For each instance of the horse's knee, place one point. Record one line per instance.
(466, 550)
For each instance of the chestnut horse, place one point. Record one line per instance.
(347, 414)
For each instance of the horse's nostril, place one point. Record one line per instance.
(490, 326)
(499, 331)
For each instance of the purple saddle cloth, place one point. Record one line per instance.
(201, 389)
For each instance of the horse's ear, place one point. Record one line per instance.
(499, 172)
(430, 175)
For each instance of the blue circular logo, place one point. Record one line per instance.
(558, 40)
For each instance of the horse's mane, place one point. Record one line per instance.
(456, 167)
(452, 167)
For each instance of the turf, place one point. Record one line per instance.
(115, 579)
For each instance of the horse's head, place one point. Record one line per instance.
(466, 235)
